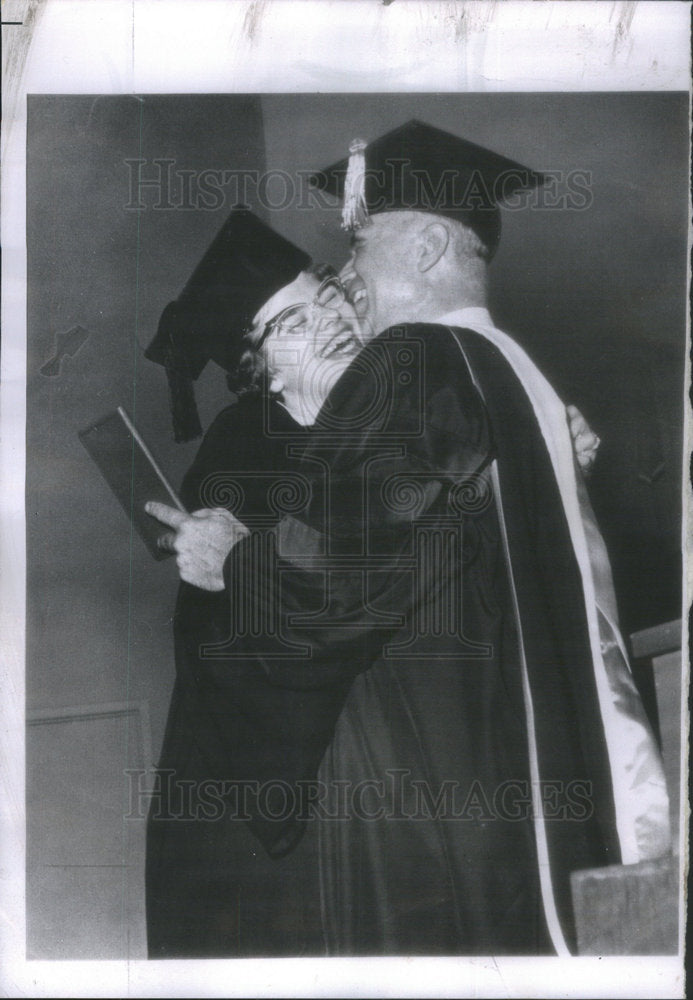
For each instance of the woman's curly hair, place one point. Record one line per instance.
(250, 375)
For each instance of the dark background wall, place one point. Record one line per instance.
(99, 608)
(597, 296)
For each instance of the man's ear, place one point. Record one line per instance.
(432, 244)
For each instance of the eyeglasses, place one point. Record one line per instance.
(330, 296)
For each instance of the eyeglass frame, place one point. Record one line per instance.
(276, 321)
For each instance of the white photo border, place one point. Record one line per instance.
(302, 46)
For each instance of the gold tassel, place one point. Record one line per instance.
(355, 211)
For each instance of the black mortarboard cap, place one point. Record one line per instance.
(422, 168)
(246, 263)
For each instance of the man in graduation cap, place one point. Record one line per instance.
(530, 749)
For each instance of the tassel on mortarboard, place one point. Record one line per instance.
(355, 211)
(186, 420)
(184, 415)
(181, 391)
(454, 170)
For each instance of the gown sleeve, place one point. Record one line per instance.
(314, 600)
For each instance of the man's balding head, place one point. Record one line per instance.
(434, 204)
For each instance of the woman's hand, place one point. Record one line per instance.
(585, 441)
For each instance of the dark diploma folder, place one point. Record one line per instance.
(132, 472)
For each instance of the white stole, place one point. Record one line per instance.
(639, 788)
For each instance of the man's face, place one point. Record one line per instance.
(313, 335)
(380, 275)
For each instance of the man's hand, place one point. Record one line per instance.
(201, 540)
(585, 441)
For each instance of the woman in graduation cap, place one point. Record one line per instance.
(228, 873)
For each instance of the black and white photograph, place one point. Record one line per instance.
(353, 513)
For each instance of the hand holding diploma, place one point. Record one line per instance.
(201, 541)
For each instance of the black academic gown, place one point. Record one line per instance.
(436, 548)
(219, 882)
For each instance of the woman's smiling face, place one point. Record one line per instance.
(307, 333)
